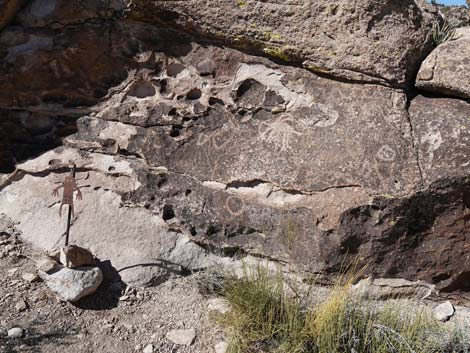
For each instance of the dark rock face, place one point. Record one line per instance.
(8, 10)
(199, 148)
(25, 134)
(373, 41)
(424, 236)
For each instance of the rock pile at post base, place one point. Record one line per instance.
(204, 131)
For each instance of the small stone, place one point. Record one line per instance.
(21, 306)
(182, 337)
(73, 284)
(148, 348)
(9, 247)
(444, 311)
(30, 277)
(12, 271)
(74, 256)
(46, 264)
(15, 332)
(219, 304)
(221, 347)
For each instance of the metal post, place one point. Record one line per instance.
(69, 218)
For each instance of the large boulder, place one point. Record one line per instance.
(186, 149)
(138, 244)
(447, 69)
(366, 40)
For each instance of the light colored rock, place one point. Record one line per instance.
(182, 337)
(74, 256)
(384, 288)
(15, 332)
(30, 277)
(46, 264)
(444, 311)
(73, 284)
(21, 306)
(132, 238)
(12, 271)
(148, 349)
(219, 304)
(221, 347)
(447, 69)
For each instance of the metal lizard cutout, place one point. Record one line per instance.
(69, 185)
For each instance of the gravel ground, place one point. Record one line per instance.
(113, 320)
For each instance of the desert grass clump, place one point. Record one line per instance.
(265, 317)
(443, 32)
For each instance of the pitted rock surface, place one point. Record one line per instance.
(373, 41)
(447, 69)
(187, 151)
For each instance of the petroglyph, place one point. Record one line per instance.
(279, 132)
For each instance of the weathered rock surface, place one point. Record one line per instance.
(74, 256)
(139, 244)
(385, 288)
(444, 311)
(73, 284)
(442, 136)
(15, 332)
(185, 149)
(375, 41)
(447, 69)
(182, 337)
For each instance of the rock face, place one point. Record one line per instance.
(363, 40)
(8, 10)
(73, 284)
(186, 149)
(447, 69)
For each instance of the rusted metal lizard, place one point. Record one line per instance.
(69, 185)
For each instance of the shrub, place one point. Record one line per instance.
(266, 318)
(444, 32)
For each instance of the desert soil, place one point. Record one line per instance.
(114, 319)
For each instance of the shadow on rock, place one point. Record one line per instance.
(108, 293)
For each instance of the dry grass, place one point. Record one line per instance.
(265, 318)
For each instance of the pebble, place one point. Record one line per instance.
(182, 337)
(148, 348)
(21, 306)
(12, 271)
(15, 332)
(221, 347)
(30, 277)
(219, 304)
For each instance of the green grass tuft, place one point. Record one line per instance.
(265, 317)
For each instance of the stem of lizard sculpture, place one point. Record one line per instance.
(69, 218)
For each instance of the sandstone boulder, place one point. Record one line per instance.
(447, 69)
